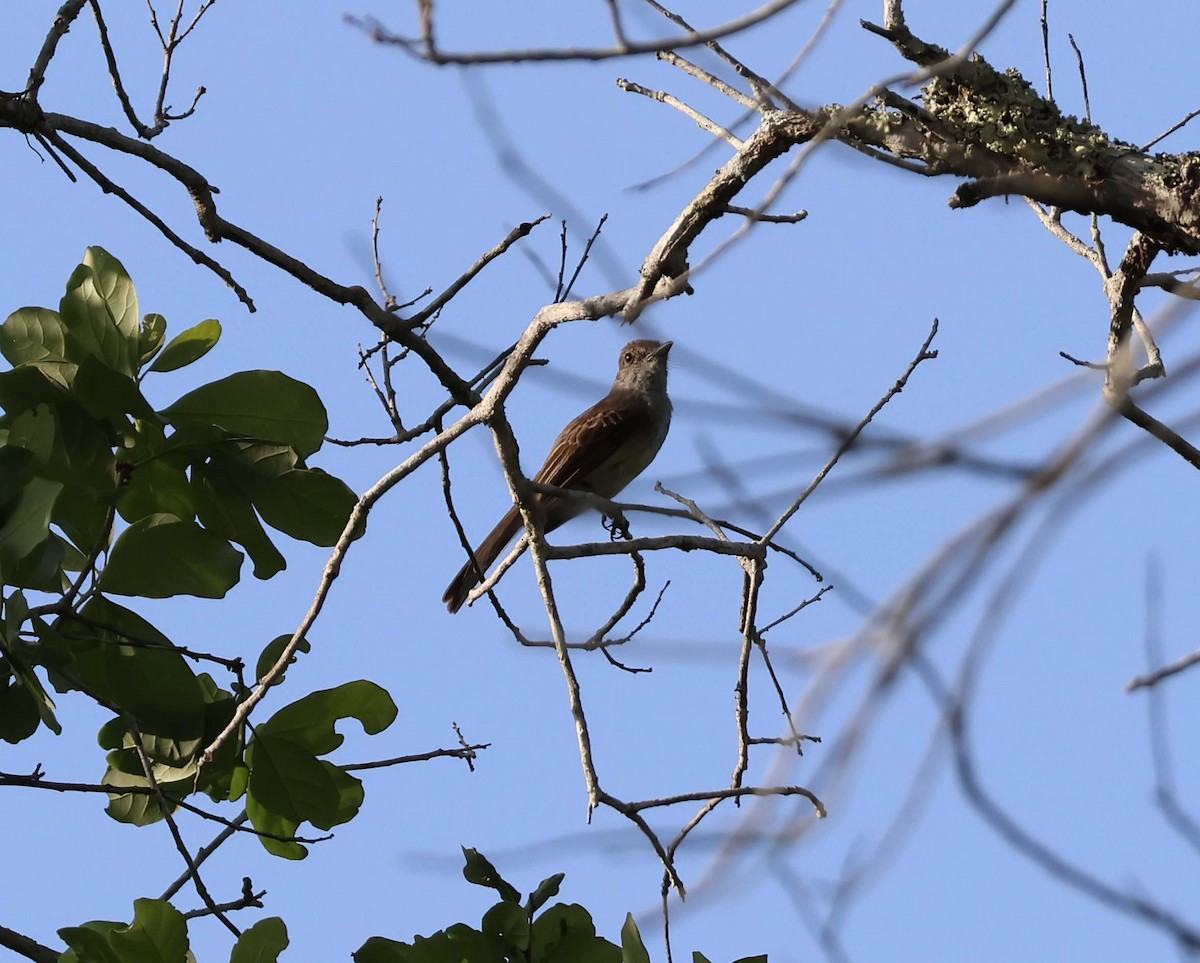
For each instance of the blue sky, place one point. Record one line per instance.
(304, 123)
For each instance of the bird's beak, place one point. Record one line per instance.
(662, 349)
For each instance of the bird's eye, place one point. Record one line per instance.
(629, 357)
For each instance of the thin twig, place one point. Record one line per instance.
(1046, 50)
(165, 809)
(1087, 104)
(924, 354)
(1148, 679)
(1170, 130)
(704, 123)
(463, 752)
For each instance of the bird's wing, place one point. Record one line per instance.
(581, 455)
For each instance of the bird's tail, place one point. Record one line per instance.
(489, 549)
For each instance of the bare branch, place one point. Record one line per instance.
(702, 122)
(1148, 679)
(27, 947)
(67, 14)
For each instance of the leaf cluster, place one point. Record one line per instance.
(159, 932)
(103, 495)
(515, 930)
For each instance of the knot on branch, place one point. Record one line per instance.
(20, 111)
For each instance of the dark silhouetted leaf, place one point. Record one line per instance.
(257, 404)
(109, 395)
(157, 488)
(270, 655)
(546, 891)
(26, 523)
(227, 511)
(479, 870)
(262, 943)
(309, 721)
(162, 556)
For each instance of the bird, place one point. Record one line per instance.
(601, 451)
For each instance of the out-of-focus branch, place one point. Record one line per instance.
(424, 46)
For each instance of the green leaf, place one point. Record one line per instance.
(19, 715)
(507, 924)
(158, 933)
(761, 958)
(633, 950)
(266, 821)
(14, 707)
(481, 872)
(289, 780)
(81, 450)
(33, 334)
(378, 949)
(196, 443)
(270, 655)
(350, 798)
(16, 471)
(141, 808)
(16, 611)
(158, 688)
(226, 511)
(157, 488)
(262, 943)
(546, 891)
(89, 943)
(309, 721)
(239, 779)
(257, 404)
(288, 786)
(455, 944)
(162, 556)
(74, 658)
(305, 503)
(34, 430)
(100, 310)
(45, 567)
(265, 460)
(566, 934)
(67, 447)
(109, 395)
(28, 386)
(192, 345)
(154, 329)
(219, 777)
(142, 675)
(27, 524)
(82, 514)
